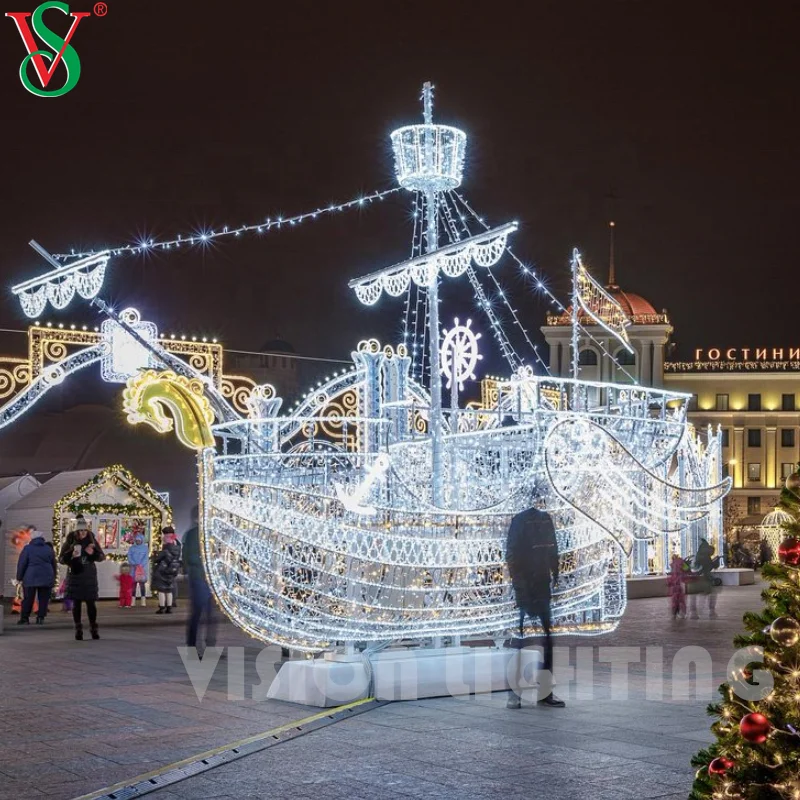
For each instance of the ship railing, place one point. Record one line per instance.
(522, 399)
(343, 432)
(567, 394)
(319, 469)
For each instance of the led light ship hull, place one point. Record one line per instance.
(320, 527)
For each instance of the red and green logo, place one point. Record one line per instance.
(45, 61)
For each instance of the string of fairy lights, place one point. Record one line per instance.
(534, 277)
(207, 236)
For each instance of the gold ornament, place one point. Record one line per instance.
(150, 393)
(785, 631)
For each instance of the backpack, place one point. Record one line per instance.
(171, 568)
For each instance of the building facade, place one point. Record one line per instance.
(754, 402)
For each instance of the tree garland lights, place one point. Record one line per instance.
(757, 752)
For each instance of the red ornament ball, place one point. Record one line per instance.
(719, 766)
(755, 728)
(789, 551)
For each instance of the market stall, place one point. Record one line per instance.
(115, 504)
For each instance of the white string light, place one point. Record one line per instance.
(511, 356)
(540, 285)
(416, 247)
(204, 237)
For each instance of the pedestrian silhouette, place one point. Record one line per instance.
(532, 557)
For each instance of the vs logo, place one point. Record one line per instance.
(45, 62)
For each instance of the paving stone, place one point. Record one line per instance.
(135, 709)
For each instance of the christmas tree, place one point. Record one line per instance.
(757, 752)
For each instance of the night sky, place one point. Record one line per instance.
(684, 112)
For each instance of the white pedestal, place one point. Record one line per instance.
(656, 585)
(736, 576)
(403, 675)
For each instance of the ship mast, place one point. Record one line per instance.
(429, 159)
(431, 244)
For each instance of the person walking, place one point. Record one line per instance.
(177, 584)
(532, 557)
(81, 552)
(200, 596)
(705, 562)
(36, 571)
(165, 570)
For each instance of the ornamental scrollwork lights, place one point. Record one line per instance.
(55, 353)
(15, 375)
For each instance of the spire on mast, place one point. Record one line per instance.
(612, 270)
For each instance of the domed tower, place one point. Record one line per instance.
(648, 333)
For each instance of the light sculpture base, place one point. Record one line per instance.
(405, 675)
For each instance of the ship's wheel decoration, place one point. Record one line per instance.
(460, 355)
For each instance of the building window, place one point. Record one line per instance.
(754, 472)
(787, 402)
(722, 402)
(787, 469)
(754, 402)
(753, 506)
(587, 358)
(787, 437)
(624, 358)
(726, 437)
(754, 437)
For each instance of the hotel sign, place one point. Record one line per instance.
(739, 359)
(744, 354)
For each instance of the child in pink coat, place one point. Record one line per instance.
(676, 584)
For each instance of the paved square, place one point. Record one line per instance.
(78, 716)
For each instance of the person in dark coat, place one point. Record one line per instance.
(765, 554)
(705, 563)
(166, 567)
(80, 553)
(532, 558)
(177, 584)
(200, 594)
(36, 571)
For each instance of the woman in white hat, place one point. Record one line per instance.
(80, 553)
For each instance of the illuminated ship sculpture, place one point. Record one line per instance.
(372, 512)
